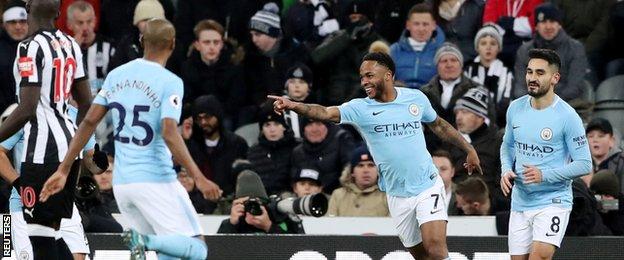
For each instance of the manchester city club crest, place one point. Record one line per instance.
(414, 109)
(546, 134)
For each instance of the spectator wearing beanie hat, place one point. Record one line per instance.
(574, 64)
(271, 156)
(15, 30)
(606, 187)
(212, 147)
(359, 195)
(270, 56)
(517, 19)
(325, 148)
(490, 72)
(472, 119)
(298, 88)
(342, 53)
(129, 47)
(450, 84)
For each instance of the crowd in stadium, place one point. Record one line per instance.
(468, 57)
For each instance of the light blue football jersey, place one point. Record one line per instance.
(551, 139)
(16, 143)
(393, 132)
(140, 94)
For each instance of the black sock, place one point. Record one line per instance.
(44, 248)
(63, 250)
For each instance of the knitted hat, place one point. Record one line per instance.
(547, 11)
(15, 10)
(449, 48)
(599, 124)
(148, 9)
(490, 29)
(250, 184)
(362, 7)
(475, 100)
(208, 104)
(267, 21)
(604, 182)
(269, 116)
(300, 71)
(360, 154)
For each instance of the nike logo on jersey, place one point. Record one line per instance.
(516, 126)
(550, 235)
(435, 211)
(29, 212)
(378, 112)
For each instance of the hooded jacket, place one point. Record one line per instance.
(272, 161)
(351, 201)
(216, 162)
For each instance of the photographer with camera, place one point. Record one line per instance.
(254, 212)
(605, 186)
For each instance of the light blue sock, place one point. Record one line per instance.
(177, 246)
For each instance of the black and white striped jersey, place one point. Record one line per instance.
(52, 61)
(96, 58)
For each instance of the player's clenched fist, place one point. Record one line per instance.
(281, 104)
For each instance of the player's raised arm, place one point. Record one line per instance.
(176, 145)
(447, 133)
(315, 111)
(56, 182)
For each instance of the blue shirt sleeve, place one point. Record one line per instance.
(100, 98)
(507, 152)
(349, 112)
(171, 103)
(9, 143)
(429, 114)
(578, 147)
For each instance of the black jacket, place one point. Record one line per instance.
(8, 49)
(614, 220)
(272, 161)
(216, 163)
(283, 225)
(328, 157)
(222, 79)
(486, 141)
(267, 74)
(615, 163)
(584, 218)
(129, 48)
(201, 205)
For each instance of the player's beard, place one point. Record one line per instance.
(540, 91)
(376, 90)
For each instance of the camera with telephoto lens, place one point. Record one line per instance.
(87, 193)
(310, 205)
(607, 204)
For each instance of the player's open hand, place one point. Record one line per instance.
(209, 189)
(473, 163)
(532, 174)
(281, 103)
(506, 182)
(53, 185)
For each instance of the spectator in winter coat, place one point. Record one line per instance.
(602, 145)
(460, 20)
(415, 51)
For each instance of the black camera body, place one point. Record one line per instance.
(253, 206)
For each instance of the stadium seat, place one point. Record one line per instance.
(610, 90)
(249, 132)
